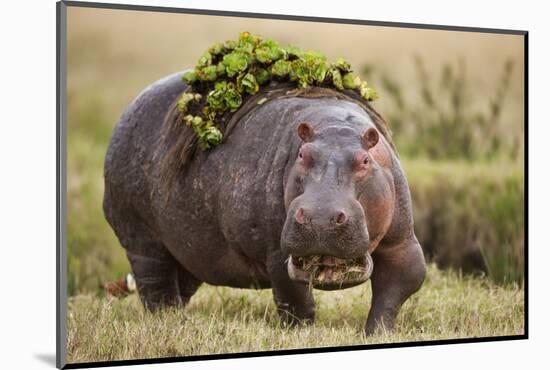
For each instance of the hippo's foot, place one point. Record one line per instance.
(294, 300)
(292, 315)
(398, 273)
(160, 280)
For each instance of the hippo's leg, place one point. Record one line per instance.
(187, 285)
(294, 300)
(160, 279)
(398, 273)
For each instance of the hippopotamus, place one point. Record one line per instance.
(305, 191)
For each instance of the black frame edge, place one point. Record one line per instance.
(61, 250)
(526, 181)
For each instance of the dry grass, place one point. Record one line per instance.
(225, 320)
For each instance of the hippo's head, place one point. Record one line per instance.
(325, 232)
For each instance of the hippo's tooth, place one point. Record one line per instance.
(321, 276)
(328, 271)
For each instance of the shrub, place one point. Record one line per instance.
(470, 216)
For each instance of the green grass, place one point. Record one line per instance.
(94, 254)
(469, 214)
(225, 320)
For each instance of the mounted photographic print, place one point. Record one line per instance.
(247, 184)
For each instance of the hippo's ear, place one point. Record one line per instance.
(305, 131)
(370, 137)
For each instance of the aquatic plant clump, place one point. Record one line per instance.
(228, 72)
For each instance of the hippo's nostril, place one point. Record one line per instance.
(300, 216)
(341, 218)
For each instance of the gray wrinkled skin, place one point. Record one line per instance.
(223, 223)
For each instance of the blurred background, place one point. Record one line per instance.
(454, 101)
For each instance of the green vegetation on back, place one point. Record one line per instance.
(227, 72)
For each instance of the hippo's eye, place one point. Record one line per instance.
(361, 162)
(300, 155)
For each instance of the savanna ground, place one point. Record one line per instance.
(225, 320)
(454, 101)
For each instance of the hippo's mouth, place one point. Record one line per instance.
(328, 272)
